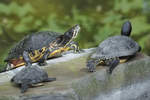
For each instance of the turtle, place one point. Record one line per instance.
(30, 76)
(114, 50)
(40, 46)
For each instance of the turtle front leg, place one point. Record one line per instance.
(25, 85)
(91, 64)
(27, 58)
(42, 61)
(74, 46)
(112, 63)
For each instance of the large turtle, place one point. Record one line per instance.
(30, 76)
(114, 50)
(39, 46)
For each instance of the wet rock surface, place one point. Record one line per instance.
(75, 83)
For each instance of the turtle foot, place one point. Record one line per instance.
(42, 64)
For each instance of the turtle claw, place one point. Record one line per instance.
(91, 66)
(42, 64)
(91, 70)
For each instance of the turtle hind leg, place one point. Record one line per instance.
(112, 63)
(50, 79)
(91, 64)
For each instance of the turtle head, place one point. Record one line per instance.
(72, 32)
(126, 28)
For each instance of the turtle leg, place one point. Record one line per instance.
(24, 87)
(27, 58)
(112, 63)
(50, 79)
(91, 64)
(42, 61)
(74, 46)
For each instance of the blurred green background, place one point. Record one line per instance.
(98, 19)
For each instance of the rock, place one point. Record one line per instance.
(75, 83)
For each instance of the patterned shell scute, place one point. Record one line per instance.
(33, 73)
(116, 46)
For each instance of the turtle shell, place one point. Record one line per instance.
(32, 42)
(33, 74)
(116, 46)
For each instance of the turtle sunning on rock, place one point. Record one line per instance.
(30, 76)
(38, 47)
(114, 50)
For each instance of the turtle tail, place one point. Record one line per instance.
(139, 48)
(50, 79)
(3, 68)
(91, 64)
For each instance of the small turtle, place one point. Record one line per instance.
(30, 76)
(114, 50)
(39, 46)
